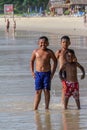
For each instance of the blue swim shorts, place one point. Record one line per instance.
(42, 80)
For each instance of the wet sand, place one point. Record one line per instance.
(17, 84)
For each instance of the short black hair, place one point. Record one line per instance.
(44, 37)
(65, 37)
(70, 51)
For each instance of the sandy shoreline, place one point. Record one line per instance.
(58, 25)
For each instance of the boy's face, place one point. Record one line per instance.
(65, 43)
(69, 57)
(43, 43)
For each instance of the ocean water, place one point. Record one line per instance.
(17, 85)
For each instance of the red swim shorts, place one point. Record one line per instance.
(71, 89)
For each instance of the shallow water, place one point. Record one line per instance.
(17, 86)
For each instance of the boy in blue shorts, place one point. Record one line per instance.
(45, 70)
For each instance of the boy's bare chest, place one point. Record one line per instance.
(42, 55)
(71, 67)
(62, 56)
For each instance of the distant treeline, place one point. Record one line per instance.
(24, 6)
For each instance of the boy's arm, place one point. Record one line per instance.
(82, 69)
(62, 73)
(32, 63)
(53, 68)
(57, 54)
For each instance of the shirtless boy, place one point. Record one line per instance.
(45, 70)
(65, 42)
(71, 85)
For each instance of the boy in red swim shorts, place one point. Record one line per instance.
(60, 55)
(70, 79)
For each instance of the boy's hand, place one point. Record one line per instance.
(33, 74)
(51, 76)
(62, 75)
(82, 76)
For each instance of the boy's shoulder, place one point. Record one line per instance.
(35, 50)
(71, 50)
(49, 50)
(58, 51)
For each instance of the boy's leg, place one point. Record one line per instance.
(47, 98)
(47, 85)
(37, 99)
(78, 103)
(66, 102)
(76, 94)
(63, 96)
(64, 88)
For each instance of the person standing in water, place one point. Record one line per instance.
(14, 25)
(71, 84)
(60, 55)
(7, 25)
(44, 71)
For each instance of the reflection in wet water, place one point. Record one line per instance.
(17, 85)
(69, 118)
(43, 121)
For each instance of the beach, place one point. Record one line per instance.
(61, 24)
(17, 85)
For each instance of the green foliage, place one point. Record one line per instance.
(67, 12)
(21, 6)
